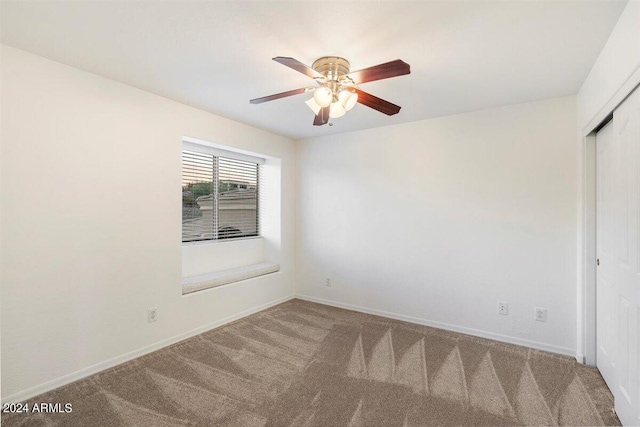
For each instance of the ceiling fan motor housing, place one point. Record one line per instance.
(332, 67)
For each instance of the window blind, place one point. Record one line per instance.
(219, 197)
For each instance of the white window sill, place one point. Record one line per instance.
(225, 277)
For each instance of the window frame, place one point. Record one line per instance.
(215, 150)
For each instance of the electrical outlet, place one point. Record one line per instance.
(503, 308)
(152, 315)
(327, 281)
(540, 314)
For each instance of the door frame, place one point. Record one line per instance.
(587, 273)
(586, 344)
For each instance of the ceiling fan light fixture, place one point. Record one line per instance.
(336, 91)
(337, 110)
(348, 99)
(323, 96)
(313, 105)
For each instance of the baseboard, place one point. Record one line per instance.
(580, 358)
(565, 351)
(85, 372)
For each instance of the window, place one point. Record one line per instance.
(219, 194)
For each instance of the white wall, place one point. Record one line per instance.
(617, 62)
(91, 220)
(440, 219)
(613, 76)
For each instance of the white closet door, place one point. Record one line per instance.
(606, 285)
(618, 237)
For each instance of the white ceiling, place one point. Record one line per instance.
(464, 55)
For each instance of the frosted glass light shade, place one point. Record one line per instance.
(313, 105)
(348, 99)
(337, 110)
(323, 96)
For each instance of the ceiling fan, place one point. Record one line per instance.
(336, 91)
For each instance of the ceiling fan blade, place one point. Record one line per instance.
(322, 118)
(376, 103)
(298, 66)
(279, 95)
(378, 72)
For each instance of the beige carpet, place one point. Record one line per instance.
(305, 364)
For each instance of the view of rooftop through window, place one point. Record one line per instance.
(219, 197)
